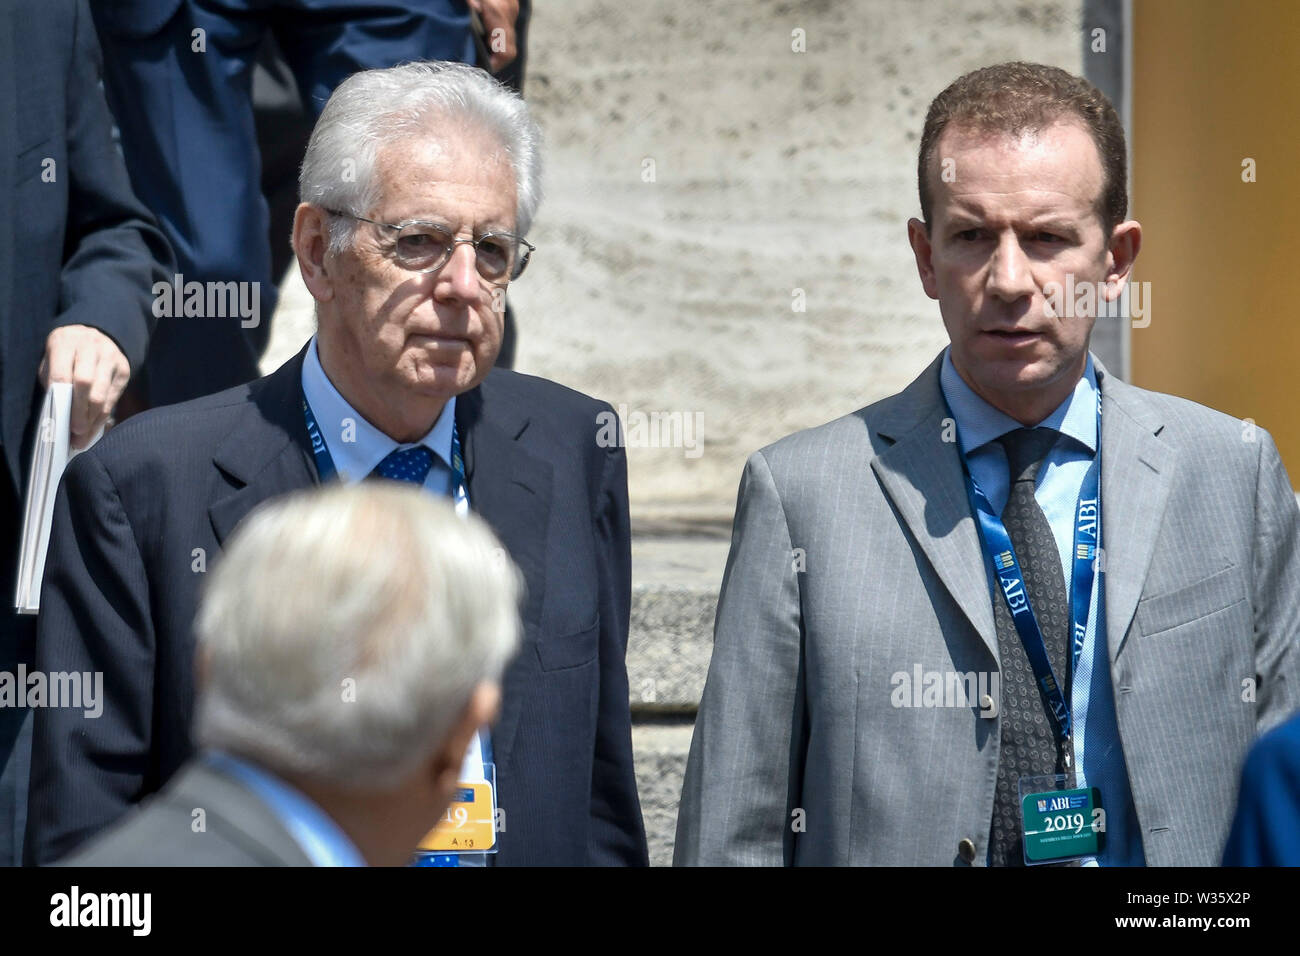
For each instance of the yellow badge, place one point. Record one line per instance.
(468, 826)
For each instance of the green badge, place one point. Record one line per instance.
(1062, 824)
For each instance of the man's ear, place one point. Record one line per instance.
(479, 711)
(310, 245)
(919, 237)
(1125, 243)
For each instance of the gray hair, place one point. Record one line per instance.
(345, 629)
(430, 99)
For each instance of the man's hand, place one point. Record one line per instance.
(498, 15)
(97, 369)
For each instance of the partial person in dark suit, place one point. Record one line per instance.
(408, 261)
(179, 77)
(1266, 827)
(78, 258)
(351, 644)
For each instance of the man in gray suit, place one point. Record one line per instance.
(1021, 612)
(351, 644)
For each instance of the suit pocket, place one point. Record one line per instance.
(1164, 612)
(558, 651)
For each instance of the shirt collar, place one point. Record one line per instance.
(312, 828)
(358, 458)
(979, 423)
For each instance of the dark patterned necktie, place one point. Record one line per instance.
(406, 464)
(1029, 743)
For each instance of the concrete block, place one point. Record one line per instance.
(675, 581)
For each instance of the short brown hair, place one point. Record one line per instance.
(1017, 97)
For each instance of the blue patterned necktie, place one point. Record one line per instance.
(406, 464)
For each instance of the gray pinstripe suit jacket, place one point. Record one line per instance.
(800, 757)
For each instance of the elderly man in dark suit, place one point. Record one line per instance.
(78, 256)
(298, 768)
(417, 187)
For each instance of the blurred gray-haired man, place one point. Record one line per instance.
(351, 643)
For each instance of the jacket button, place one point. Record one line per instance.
(966, 850)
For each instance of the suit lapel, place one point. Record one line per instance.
(269, 453)
(510, 488)
(1137, 471)
(922, 475)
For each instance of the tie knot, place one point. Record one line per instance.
(1026, 448)
(406, 464)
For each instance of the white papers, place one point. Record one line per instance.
(50, 456)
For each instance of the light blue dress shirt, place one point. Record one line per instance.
(312, 829)
(357, 447)
(1100, 759)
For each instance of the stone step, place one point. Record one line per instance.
(677, 565)
(661, 746)
(676, 574)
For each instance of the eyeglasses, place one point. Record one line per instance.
(427, 247)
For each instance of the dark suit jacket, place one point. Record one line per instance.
(76, 250)
(238, 828)
(153, 501)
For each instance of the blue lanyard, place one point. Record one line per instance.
(1087, 542)
(325, 461)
